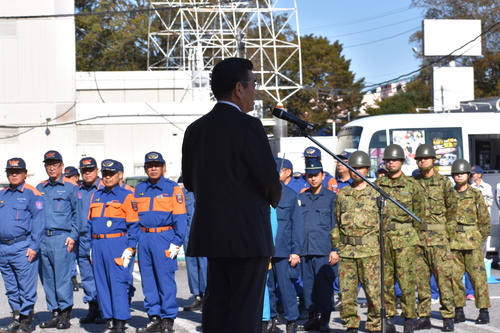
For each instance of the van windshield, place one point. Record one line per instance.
(348, 139)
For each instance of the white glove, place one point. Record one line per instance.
(126, 256)
(173, 250)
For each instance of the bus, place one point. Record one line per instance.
(473, 136)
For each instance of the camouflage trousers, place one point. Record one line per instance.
(400, 264)
(437, 260)
(367, 272)
(471, 261)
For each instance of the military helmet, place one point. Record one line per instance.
(394, 152)
(359, 159)
(460, 166)
(425, 150)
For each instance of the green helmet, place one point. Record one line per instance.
(359, 159)
(425, 150)
(394, 152)
(460, 166)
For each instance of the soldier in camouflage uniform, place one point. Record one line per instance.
(434, 254)
(401, 236)
(473, 227)
(356, 235)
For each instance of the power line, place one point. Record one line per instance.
(382, 39)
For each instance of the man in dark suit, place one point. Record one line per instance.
(231, 223)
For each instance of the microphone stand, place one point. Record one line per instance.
(381, 203)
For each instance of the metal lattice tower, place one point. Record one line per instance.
(194, 35)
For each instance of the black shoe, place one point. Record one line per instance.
(398, 303)
(272, 325)
(423, 323)
(324, 322)
(64, 322)
(484, 317)
(408, 326)
(14, 324)
(154, 325)
(390, 328)
(26, 322)
(74, 282)
(352, 330)
(459, 315)
(53, 321)
(110, 326)
(312, 323)
(448, 325)
(196, 305)
(265, 327)
(120, 326)
(167, 325)
(337, 306)
(92, 315)
(291, 327)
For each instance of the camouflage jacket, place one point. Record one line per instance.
(400, 227)
(473, 221)
(356, 234)
(440, 222)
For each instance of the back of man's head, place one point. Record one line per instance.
(227, 73)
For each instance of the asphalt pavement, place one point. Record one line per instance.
(191, 321)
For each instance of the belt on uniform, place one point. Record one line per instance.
(396, 226)
(15, 240)
(159, 229)
(83, 234)
(55, 232)
(434, 227)
(463, 227)
(99, 236)
(359, 240)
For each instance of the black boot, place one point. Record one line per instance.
(324, 322)
(120, 326)
(110, 326)
(408, 326)
(459, 315)
(26, 322)
(448, 325)
(291, 327)
(92, 314)
(154, 325)
(99, 320)
(196, 305)
(398, 303)
(64, 322)
(351, 330)
(52, 322)
(74, 282)
(484, 317)
(167, 325)
(312, 323)
(265, 327)
(423, 323)
(390, 328)
(14, 324)
(272, 325)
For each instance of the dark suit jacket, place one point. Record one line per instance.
(227, 163)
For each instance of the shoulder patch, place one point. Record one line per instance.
(39, 205)
(179, 199)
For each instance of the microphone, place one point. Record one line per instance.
(282, 114)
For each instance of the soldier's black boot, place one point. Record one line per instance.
(120, 326)
(14, 324)
(312, 323)
(64, 323)
(26, 322)
(92, 314)
(324, 322)
(448, 325)
(154, 325)
(423, 323)
(110, 326)
(53, 321)
(168, 325)
(408, 326)
(390, 328)
(484, 317)
(459, 315)
(291, 327)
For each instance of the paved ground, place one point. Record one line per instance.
(191, 321)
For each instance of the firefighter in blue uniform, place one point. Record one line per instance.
(286, 176)
(113, 233)
(329, 182)
(90, 184)
(162, 216)
(21, 229)
(61, 232)
(317, 256)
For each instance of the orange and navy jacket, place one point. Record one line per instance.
(59, 199)
(22, 214)
(114, 212)
(162, 204)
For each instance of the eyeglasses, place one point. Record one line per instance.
(256, 84)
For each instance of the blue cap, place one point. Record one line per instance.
(344, 155)
(476, 169)
(52, 155)
(70, 171)
(382, 166)
(312, 152)
(287, 164)
(279, 163)
(88, 162)
(16, 163)
(153, 157)
(313, 166)
(111, 165)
